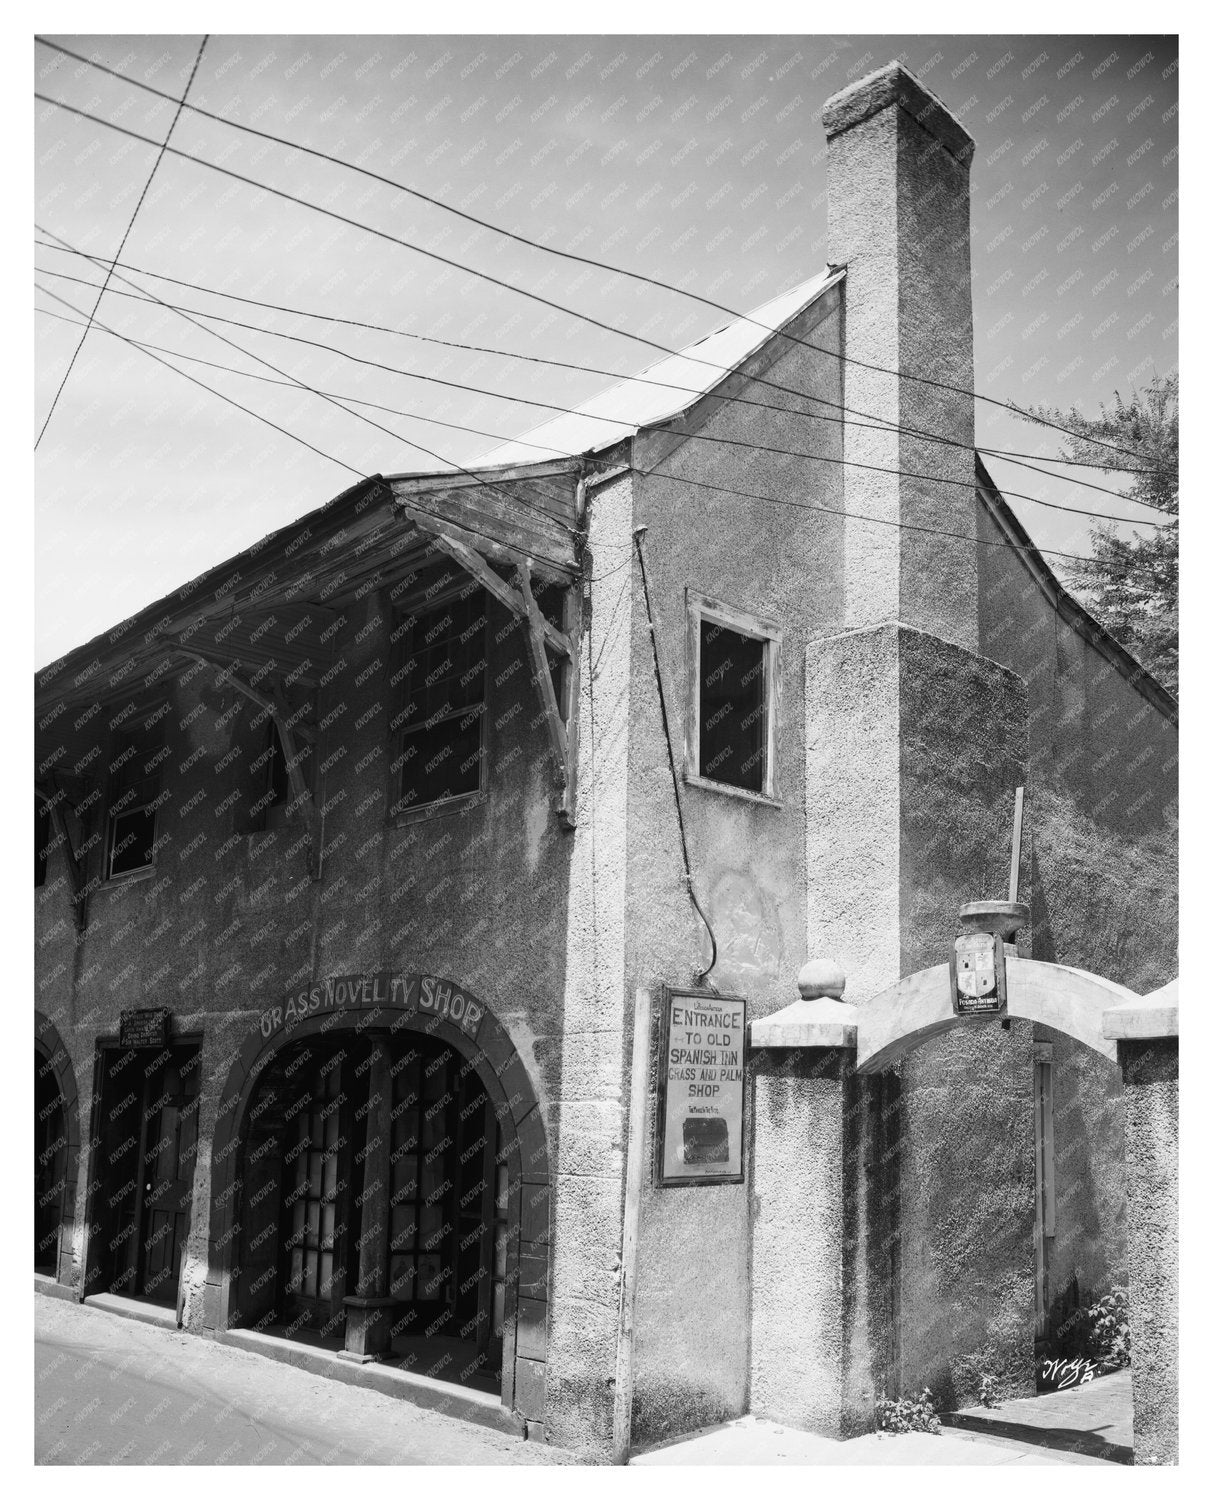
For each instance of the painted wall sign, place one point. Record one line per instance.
(979, 975)
(143, 1028)
(421, 994)
(701, 1089)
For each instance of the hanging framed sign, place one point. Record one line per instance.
(700, 1089)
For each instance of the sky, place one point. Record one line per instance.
(697, 160)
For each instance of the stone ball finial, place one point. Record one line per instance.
(821, 978)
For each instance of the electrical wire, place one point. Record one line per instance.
(392, 411)
(493, 280)
(695, 483)
(195, 381)
(360, 416)
(190, 313)
(702, 975)
(580, 259)
(125, 236)
(1008, 456)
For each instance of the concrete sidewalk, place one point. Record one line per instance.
(1095, 1418)
(753, 1441)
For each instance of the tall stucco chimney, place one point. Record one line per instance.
(899, 220)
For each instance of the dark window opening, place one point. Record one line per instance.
(42, 838)
(442, 714)
(272, 786)
(134, 784)
(732, 707)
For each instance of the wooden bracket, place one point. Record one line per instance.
(75, 873)
(559, 703)
(275, 705)
(542, 673)
(464, 549)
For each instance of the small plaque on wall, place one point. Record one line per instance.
(143, 1028)
(979, 975)
(700, 1089)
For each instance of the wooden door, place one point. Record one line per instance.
(170, 1149)
(316, 1200)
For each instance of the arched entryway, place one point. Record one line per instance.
(379, 1185)
(56, 1150)
(822, 1099)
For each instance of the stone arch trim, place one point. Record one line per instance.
(524, 1142)
(906, 1014)
(49, 1045)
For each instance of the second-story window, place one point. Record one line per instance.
(272, 784)
(442, 711)
(134, 784)
(733, 692)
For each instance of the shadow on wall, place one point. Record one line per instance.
(1101, 901)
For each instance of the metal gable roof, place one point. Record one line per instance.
(664, 389)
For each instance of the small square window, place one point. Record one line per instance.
(733, 682)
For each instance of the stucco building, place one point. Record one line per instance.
(355, 853)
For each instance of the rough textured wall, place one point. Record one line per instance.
(1151, 1078)
(587, 1117)
(899, 220)
(747, 857)
(1088, 1255)
(967, 1284)
(1101, 813)
(800, 1182)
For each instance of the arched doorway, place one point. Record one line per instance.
(56, 1150)
(424, 1224)
(379, 1186)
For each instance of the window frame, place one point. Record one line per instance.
(146, 746)
(701, 607)
(404, 619)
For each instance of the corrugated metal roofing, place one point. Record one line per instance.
(664, 389)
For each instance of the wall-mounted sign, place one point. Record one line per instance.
(700, 1088)
(426, 994)
(143, 1028)
(979, 975)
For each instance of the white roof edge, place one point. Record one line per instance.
(664, 389)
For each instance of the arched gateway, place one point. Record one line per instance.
(380, 1183)
(821, 1321)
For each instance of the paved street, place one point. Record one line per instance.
(112, 1391)
(109, 1390)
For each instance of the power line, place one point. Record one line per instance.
(290, 385)
(1009, 456)
(566, 411)
(126, 234)
(332, 400)
(850, 515)
(492, 280)
(580, 259)
(669, 746)
(695, 483)
(195, 381)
